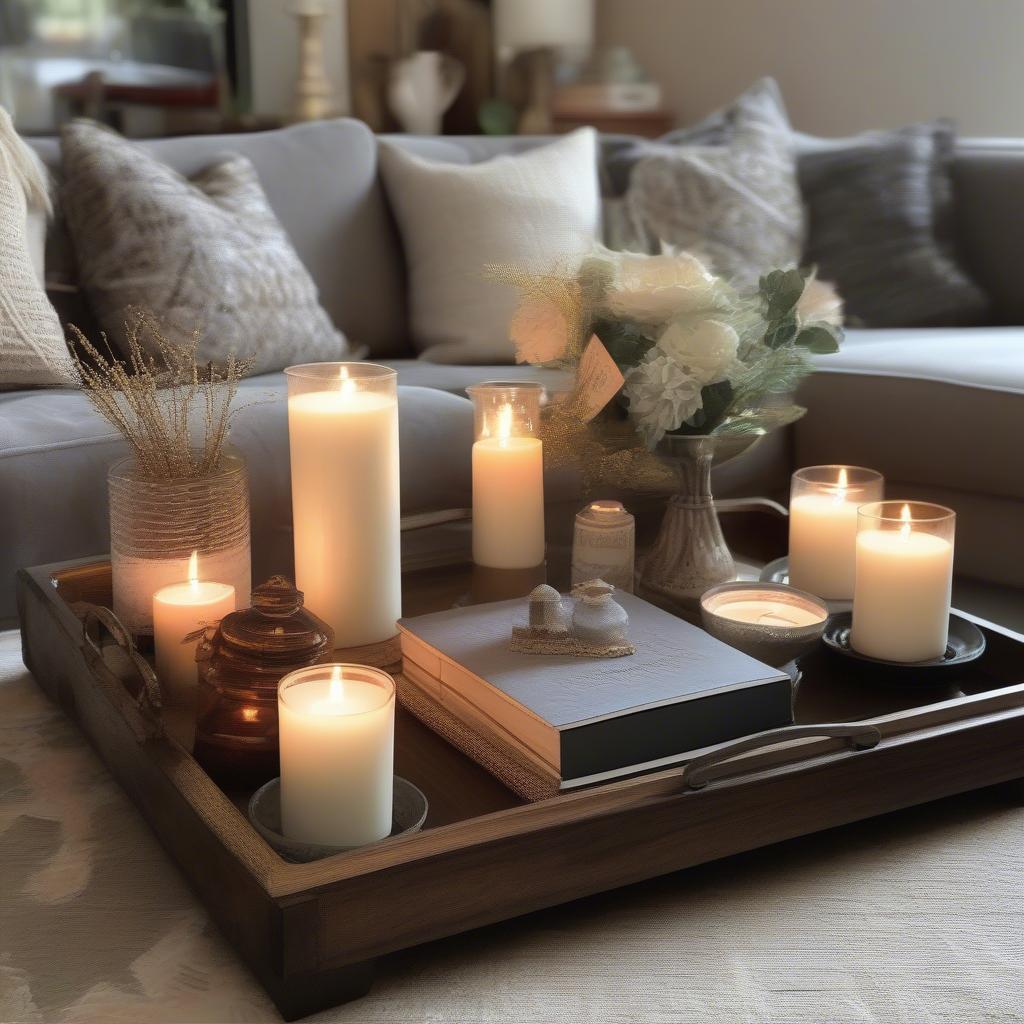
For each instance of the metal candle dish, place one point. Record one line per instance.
(771, 639)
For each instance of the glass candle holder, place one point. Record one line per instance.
(603, 545)
(508, 475)
(157, 525)
(240, 664)
(337, 739)
(823, 507)
(904, 580)
(343, 437)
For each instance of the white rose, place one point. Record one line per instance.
(539, 331)
(661, 396)
(707, 349)
(820, 303)
(653, 289)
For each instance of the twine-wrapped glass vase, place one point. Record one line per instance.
(156, 525)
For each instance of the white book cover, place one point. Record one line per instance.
(674, 661)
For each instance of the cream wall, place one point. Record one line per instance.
(843, 65)
(274, 54)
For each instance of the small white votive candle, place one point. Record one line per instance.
(904, 581)
(337, 739)
(179, 610)
(769, 621)
(823, 526)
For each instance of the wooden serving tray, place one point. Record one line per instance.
(311, 931)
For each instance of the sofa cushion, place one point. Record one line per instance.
(937, 411)
(55, 451)
(321, 181)
(880, 228)
(32, 348)
(736, 206)
(205, 254)
(529, 210)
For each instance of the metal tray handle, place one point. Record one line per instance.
(859, 737)
(145, 689)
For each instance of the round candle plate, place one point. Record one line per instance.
(778, 572)
(966, 642)
(410, 811)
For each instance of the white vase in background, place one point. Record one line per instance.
(421, 88)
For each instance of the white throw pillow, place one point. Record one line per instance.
(32, 347)
(533, 209)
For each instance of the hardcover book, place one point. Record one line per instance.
(579, 720)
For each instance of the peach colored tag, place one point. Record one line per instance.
(598, 380)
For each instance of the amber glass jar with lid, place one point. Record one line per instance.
(240, 665)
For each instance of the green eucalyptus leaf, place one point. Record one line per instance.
(780, 292)
(818, 339)
(717, 399)
(624, 341)
(781, 332)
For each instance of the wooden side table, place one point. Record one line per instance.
(650, 124)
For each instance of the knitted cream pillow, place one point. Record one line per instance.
(32, 347)
(534, 210)
(207, 253)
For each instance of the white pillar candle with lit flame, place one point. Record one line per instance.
(823, 526)
(904, 581)
(337, 739)
(346, 505)
(180, 610)
(508, 482)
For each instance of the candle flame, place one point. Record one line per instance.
(504, 430)
(348, 385)
(250, 714)
(842, 485)
(905, 521)
(193, 568)
(337, 692)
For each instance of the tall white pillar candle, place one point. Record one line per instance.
(337, 740)
(508, 477)
(343, 435)
(904, 580)
(178, 610)
(823, 526)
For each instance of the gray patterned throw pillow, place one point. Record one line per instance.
(880, 209)
(207, 253)
(737, 206)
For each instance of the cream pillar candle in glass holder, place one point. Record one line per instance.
(508, 475)
(343, 436)
(904, 580)
(337, 741)
(823, 526)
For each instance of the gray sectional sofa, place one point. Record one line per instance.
(939, 411)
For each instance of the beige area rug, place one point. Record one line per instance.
(916, 917)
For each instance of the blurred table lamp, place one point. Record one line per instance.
(314, 97)
(539, 31)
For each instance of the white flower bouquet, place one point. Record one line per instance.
(697, 357)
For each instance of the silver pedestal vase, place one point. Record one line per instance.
(690, 554)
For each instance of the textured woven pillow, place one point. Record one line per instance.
(32, 347)
(532, 209)
(737, 206)
(880, 228)
(207, 253)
